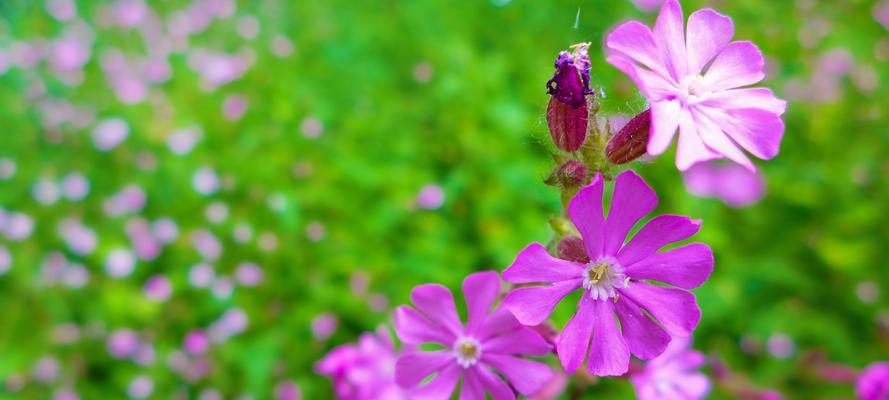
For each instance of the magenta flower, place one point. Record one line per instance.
(697, 83)
(674, 374)
(612, 277)
(363, 370)
(732, 183)
(873, 383)
(477, 351)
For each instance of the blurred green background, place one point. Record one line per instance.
(351, 108)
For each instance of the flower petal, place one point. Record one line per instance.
(716, 140)
(411, 368)
(471, 387)
(686, 267)
(632, 200)
(413, 327)
(609, 354)
(656, 85)
(585, 210)
(498, 389)
(532, 305)
(645, 339)
(534, 264)
(708, 33)
(757, 131)
(437, 302)
(523, 341)
(664, 121)
(657, 233)
(739, 64)
(675, 309)
(633, 40)
(575, 337)
(692, 149)
(441, 387)
(481, 290)
(762, 98)
(497, 323)
(670, 37)
(525, 376)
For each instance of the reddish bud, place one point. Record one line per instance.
(571, 248)
(571, 173)
(632, 140)
(567, 124)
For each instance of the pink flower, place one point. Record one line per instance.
(287, 390)
(233, 107)
(158, 288)
(732, 183)
(477, 351)
(363, 370)
(123, 343)
(873, 383)
(431, 197)
(696, 83)
(196, 342)
(881, 13)
(324, 325)
(612, 279)
(674, 374)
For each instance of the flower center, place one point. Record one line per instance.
(602, 277)
(468, 351)
(693, 90)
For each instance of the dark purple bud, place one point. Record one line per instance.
(632, 140)
(571, 248)
(566, 113)
(571, 82)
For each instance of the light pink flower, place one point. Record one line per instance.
(881, 13)
(675, 374)
(158, 288)
(234, 106)
(614, 279)
(490, 342)
(734, 184)
(324, 325)
(431, 197)
(61, 10)
(109, 133)
(140, 387)
(287, 390)
(697, 83)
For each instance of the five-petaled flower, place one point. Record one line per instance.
(697, 81)
(487, 344)
(613, 280)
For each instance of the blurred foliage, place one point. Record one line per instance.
(792, 264)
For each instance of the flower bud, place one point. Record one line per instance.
(566, 114)
(632, 140)
(571, 248)
(570, 174)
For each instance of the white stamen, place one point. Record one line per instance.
(602, 277)
(468, 351)
(693, 90)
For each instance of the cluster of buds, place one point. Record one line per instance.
(573, 122)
